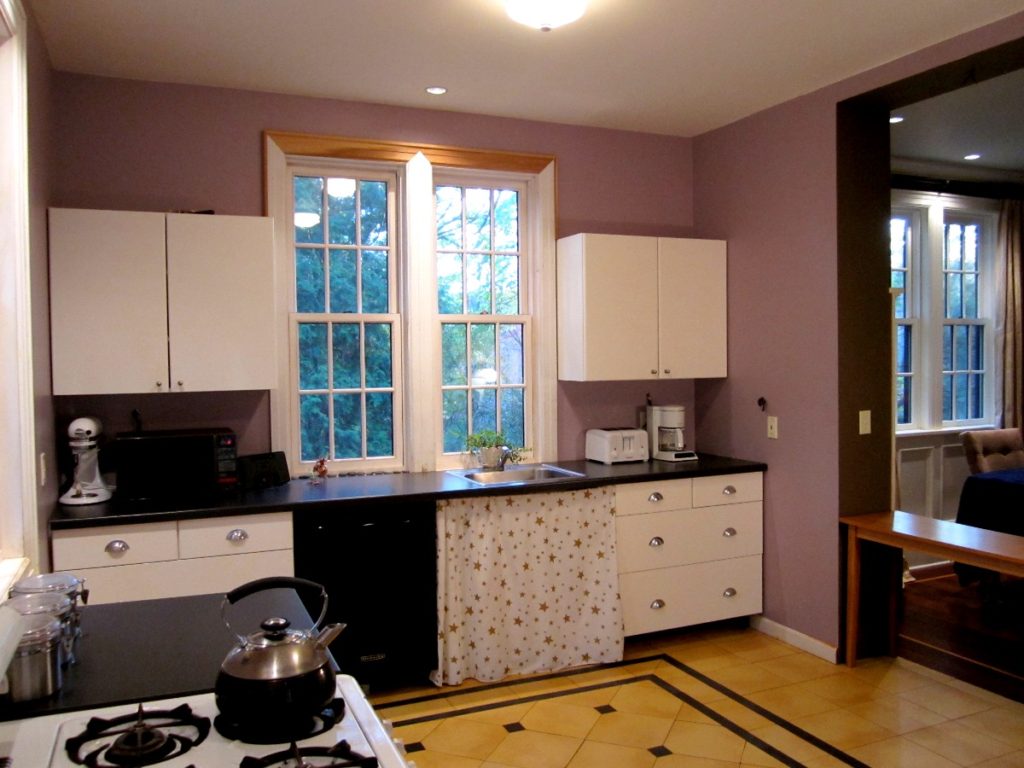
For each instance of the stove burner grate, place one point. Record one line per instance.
(139, 739)
(341, 755)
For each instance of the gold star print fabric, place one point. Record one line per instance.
(526, 584)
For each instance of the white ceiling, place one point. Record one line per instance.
(678, 67)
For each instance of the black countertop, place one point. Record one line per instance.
(340, 491)
(154, 649)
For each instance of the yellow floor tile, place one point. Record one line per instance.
(701, 740)
(629, 730)
(842, 728)
(787, 704)
(465, 738)
(530, 749)
(748, 678)
(564, 719)
(898, 714)
(900, 753)
(1013, 760)
(1005, 723)
(646, 698)
(597, 755)
(947, 700)
(959, 743)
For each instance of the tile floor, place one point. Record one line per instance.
(713, 698)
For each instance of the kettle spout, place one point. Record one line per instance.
(328, 634)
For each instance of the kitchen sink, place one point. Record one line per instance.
(518, 475)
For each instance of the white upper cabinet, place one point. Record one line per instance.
(153, 302)
(632, 307)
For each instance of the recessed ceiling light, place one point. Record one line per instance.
(436, 90)
(895, 119)
(972, 156)
(545, 15)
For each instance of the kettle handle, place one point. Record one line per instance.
(274, 582)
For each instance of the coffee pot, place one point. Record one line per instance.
(666, 433)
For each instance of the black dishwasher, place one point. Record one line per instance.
(377, 560)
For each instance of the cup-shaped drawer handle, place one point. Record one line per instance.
(655, 497)
(117, 547)
(729, 592)
(729, 490)
(729, 532)
(237, 536)
(657, 541)
(657, 604)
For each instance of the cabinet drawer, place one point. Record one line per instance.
(114, 545)
(638, 498)
(726, 489)
(234, 535)
(679, 537)
(690, 594)
(178, 578)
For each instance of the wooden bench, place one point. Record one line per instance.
(966, 544)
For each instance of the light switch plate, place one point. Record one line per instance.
(865, 422)
(773, 427)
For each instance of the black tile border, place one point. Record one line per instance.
(704, 709)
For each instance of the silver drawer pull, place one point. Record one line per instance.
(658, 604)
(729, 490)
(237, 536)
(117, 547)
(656, 496)
(729, 592)
(657, 541)
(729, 533)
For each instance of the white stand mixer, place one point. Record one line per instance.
(88, 486)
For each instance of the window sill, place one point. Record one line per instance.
(11, 569)
(941, 431)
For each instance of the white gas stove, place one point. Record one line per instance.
(193, 741)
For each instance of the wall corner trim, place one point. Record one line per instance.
(799, 640)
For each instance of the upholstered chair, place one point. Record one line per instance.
(988, 450)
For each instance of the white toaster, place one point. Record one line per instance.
(615, 444)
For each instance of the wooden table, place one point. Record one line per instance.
(960, 543)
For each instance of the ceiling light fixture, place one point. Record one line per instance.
(545, 15)
(436, 90)
(895, 119)
(973, 156)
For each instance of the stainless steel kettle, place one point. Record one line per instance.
(279, 675)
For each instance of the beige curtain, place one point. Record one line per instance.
(1011, 229)
(526, 583)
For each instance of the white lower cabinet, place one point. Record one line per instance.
(689, 551)
(175, 558)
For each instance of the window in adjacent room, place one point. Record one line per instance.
(942, 257)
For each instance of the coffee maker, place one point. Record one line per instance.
(666, 433)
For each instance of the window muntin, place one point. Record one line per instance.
(942, 264)
(345, 333)
(480, 302)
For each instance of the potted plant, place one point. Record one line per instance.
(492, 450)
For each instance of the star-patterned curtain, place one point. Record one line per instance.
(526, 584)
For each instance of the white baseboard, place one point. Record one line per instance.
(799, 640)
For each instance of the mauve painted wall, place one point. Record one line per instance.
(145, 146)
(767, 184)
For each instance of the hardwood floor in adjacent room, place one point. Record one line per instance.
(970, 632)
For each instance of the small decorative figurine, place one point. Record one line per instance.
(319, 471)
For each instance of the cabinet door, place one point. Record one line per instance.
(607, 309)
(692, 308)
(220, 288)
(108, 302)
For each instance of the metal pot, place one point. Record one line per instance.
(278, 675)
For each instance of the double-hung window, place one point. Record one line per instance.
(419, 305)
(345, 328)
(942, 253)
(481, 298)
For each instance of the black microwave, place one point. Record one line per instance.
(186, 465)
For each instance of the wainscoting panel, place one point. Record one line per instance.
(930, 471)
